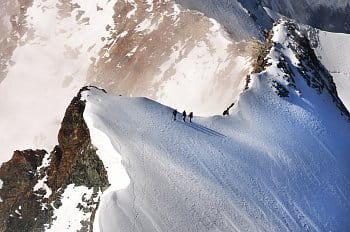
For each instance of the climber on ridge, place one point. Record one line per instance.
(174, 114)
(190, 116)
(184, 116)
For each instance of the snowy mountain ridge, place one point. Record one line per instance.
(251, 171)
(135, 48)
(291, 59)
(278, 162)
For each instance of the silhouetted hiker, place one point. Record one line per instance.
(225, 112)
(190, 116)
(174, 114)
(184, 116)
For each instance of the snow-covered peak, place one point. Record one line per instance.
(295, 73)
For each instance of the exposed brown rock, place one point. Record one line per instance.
(73, 161)
(19, 204)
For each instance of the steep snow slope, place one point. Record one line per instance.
(333, 51)
(279, 162)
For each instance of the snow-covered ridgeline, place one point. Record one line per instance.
(49, 69)
(67, 37)
(108, 150)
(279, 162)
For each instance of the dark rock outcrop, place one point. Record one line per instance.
(18, 200)
(75, 160)
(72, 161)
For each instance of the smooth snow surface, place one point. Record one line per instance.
(109, 152)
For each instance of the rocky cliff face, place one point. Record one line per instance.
(34, 181)
(19, 205)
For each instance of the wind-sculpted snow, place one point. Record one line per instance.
(279, 162)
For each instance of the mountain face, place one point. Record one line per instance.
(249, 18)
(13, 27)
(278, 162)
(331, 49)
(49, 49)
(331, 16)
(161, 49)
(242, 19)
(134, 48)
(37, 187)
